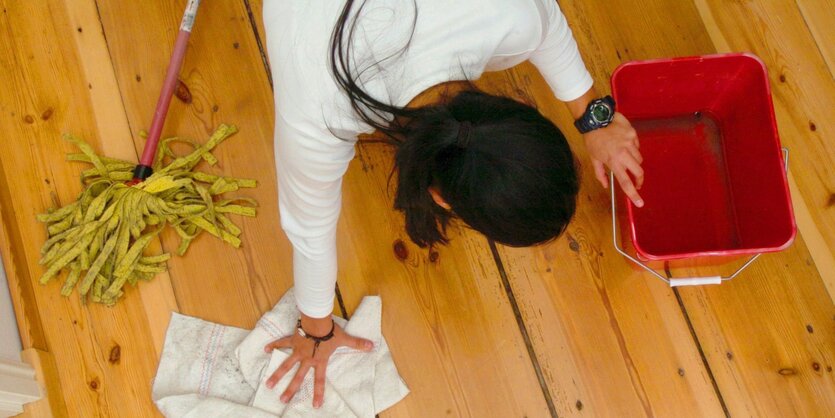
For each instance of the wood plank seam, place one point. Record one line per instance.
(698, 343)
(341, 302)
(817, 42)
(263, 52)
(113, 68)
(517, 313)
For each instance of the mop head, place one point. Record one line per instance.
(101, 237)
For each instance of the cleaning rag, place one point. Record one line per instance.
(210, 370)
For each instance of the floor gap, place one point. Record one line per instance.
(517, 313)
(261, 49)
(698, 345)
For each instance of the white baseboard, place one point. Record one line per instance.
(18, 386)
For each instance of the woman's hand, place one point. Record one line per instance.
(303, 353)
(616, 146)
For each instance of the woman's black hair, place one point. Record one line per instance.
(503, 167)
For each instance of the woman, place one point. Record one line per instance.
(351, 67)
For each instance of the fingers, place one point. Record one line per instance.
(280, 343)
(285, 366)
(636, 154)
(628, 187)
(359, 343)
(600, 173)
(319, 385)
(296, 382)
(634, 167)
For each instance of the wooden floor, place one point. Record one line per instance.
(477, 330)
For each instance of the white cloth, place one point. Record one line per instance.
(210, 370)
(452, 40)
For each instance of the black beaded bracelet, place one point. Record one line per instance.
(316, 340)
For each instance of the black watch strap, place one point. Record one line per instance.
(583, 124)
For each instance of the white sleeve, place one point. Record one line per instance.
(558, 58)
(310, 163)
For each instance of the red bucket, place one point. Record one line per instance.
(715, 177)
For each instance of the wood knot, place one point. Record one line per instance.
(729, 355)
(579, 405)
(434, 256)
(29, 119)
(94, 384)
(236, 45)
(400, 250)
(809, 329)
(681, 372)
(816, 366)
(115, 354)
(138, 78)
(182, 92)
(812, 126)
(782, 78)
(47, 113)
(573, 245)
(787, 371)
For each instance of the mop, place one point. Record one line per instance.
(101, 238)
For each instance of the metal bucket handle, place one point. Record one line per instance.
(684, 281)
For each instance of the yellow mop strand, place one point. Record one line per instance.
(101, 237)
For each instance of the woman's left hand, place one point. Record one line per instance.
(616, 146)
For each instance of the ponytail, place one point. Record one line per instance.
(505, 169)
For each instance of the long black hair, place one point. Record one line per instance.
(503, 167)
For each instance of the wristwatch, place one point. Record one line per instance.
(599, 114)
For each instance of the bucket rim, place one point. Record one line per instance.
(706, 57)
(648, 256)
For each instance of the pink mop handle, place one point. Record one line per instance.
(143, 170)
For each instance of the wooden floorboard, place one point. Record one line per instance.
(50, 92)
(768, 335)
(605, 339)
(446, 313)
(820, 20)
(596, 322)
(226, 83)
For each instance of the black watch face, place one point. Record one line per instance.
(601, 113)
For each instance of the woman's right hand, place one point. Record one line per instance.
(617, 147)
(302, 352)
